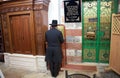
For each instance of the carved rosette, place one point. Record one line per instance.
(24, 8)
(15, 9)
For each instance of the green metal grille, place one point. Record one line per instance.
(96, 30)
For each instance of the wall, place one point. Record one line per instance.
(73, 40)
(73, 31)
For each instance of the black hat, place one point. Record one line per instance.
(54, 23)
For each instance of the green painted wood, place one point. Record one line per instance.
(96, 16)
(82, 29)
(115, 6)
(89, 42)
(98, 29)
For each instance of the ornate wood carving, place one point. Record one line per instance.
(5, 32)
(39, 9)
(24, 6)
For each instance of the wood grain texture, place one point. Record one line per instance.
(80, 68)
(24, 24)
(115, 44)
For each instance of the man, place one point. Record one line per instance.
(54, 39)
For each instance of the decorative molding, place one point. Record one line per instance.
(29, 6)
(21, 8)
(38, 9)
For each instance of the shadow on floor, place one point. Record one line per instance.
(108, 74)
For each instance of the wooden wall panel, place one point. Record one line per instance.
(38, 29)
(115, 53)
(41, 27)
(115, 44)
(28, 16)
(20, 32)
(5, 33)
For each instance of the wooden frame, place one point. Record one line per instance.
(115, 44)
(32, 29)
(61, 27)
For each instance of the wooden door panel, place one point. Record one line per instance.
(26, 37)
(20, 32)
(15, 33)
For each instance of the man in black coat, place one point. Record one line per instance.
(54, 39)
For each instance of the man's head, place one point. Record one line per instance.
(54, 23)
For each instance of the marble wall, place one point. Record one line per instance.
(73, 38)
(28, 62)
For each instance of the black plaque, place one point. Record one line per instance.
(72, 11)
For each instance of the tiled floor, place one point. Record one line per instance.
(21, 73)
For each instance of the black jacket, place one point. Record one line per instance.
(54, 39)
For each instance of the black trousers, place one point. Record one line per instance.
(54, 68)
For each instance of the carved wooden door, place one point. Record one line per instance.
(20, 33)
